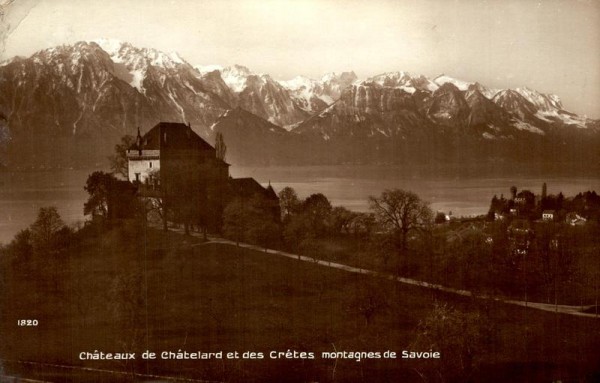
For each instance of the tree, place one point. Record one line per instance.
(513, 192)
(369, 300)
(289, 202)
(341, 220)
(554, 259)
(97, 186)
(400, 212)
(544, 191)
(250, 221)
(118, 161)
(21, 246)
(317, 209)
(153, 201)
(45, 229)
(220, 146)
(110, 198)
(296, 231)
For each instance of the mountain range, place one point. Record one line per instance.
(69, 105)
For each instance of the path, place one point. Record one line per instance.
(562, 309)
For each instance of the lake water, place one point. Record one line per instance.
(463, 192)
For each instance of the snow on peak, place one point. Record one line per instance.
(129, 57)
(204, 69)
(443, 79)
(391, 79)
(176, 58)
(123, 52)
(236, 77)
(544, 102)
(110, 46)
(329, 77)
(161, 59)
(549, 108)
(8, 61)
(344, 77)
(238, 70)
(298, 82)
(137, 60)
(306, 91)
(403, 80)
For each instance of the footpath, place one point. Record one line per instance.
(560, 309)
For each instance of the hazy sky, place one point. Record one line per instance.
(551, 46)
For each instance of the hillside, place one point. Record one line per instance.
(212, 298)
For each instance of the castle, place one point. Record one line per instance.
(173, 161)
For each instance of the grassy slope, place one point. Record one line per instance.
(215, 297)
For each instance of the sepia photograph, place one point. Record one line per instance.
(300, 191)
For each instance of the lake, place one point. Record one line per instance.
(463, 192)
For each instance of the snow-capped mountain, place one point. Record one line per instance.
(284, 103)
(70, 104)
(85, 92)
(464, 85)
(309, 93)
(517, 105)
(136, 62)
(549, 108)
(404, 81)
(316, 95)
(259, 94)
(432, 119)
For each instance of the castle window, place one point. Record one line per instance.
(150, 165)
(137, 177)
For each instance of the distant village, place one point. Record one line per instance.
(524, 204)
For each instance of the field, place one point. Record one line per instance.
(131, 290)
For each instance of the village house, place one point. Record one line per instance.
(575, 219)
(548, 215)
(520, 200)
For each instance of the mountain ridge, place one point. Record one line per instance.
(70, 104)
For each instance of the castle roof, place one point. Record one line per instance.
(247, 187)
(270, 192)
(172, 135)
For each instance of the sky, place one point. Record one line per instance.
(552, 46)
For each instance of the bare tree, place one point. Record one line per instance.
(368, 301)
(399, 212)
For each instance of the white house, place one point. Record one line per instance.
(548, 215)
